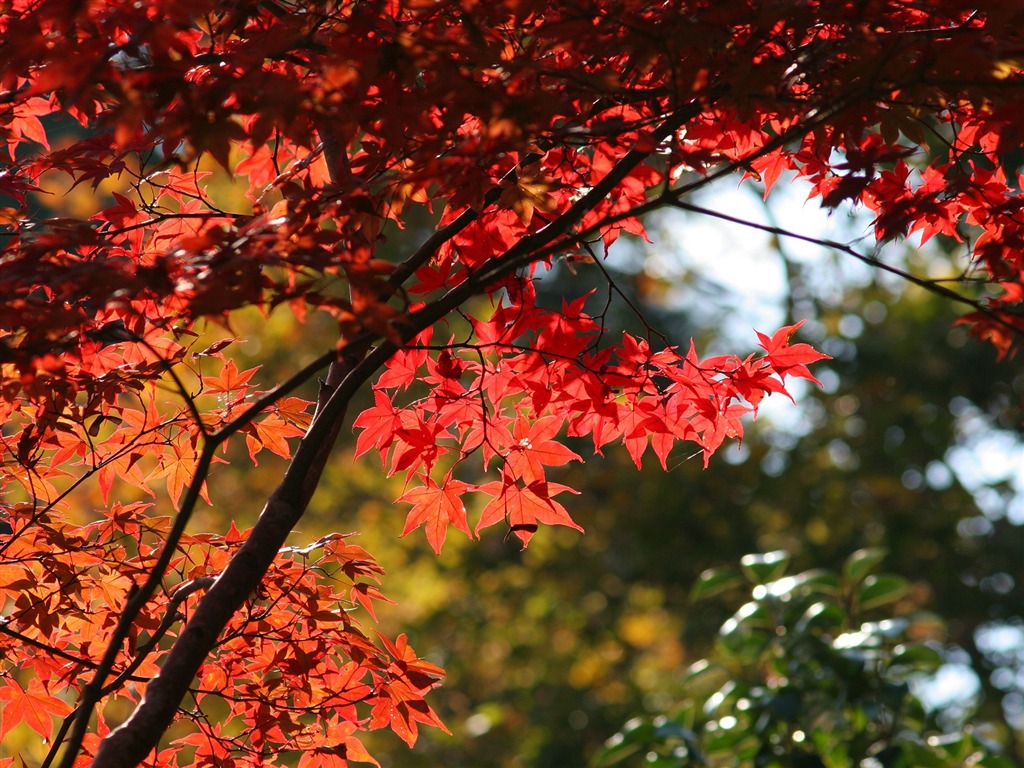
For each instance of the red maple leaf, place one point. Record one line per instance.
(335, 746)
(435, 507)
(400, 704)
(379, 424)
(790, 359)
(230, 380)
(534, 448)
(523, 507)
(34, 707)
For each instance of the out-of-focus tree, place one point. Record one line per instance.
(800, 677)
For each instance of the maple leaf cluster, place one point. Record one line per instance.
(529, 375)
(294, 669)
(529, 133)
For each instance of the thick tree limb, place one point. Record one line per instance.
(130, 743)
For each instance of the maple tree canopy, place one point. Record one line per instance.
(533, 133)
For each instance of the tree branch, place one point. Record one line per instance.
(429, 246)
(872, 261)
(127, 745)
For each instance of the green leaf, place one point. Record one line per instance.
(704, 677)
(618, 752)
(995, 761)
(802, 584)
(718, 699)
(819, 580)
(827, 616)
(760, 569)
(639, 728)
(725, 740)
(861, 563)
(917, 656)
(750, 616)
(714, 582)
(634, 737)
(882, 590)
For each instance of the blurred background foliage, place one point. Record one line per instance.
(801, 677)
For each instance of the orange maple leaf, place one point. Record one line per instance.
(436, 506)
(34, 707)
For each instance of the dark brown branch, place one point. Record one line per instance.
(171, 615)
(128, 745)
(430, 246)
(922, 282)
(88, 663)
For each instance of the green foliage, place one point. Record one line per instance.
(804, 674)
